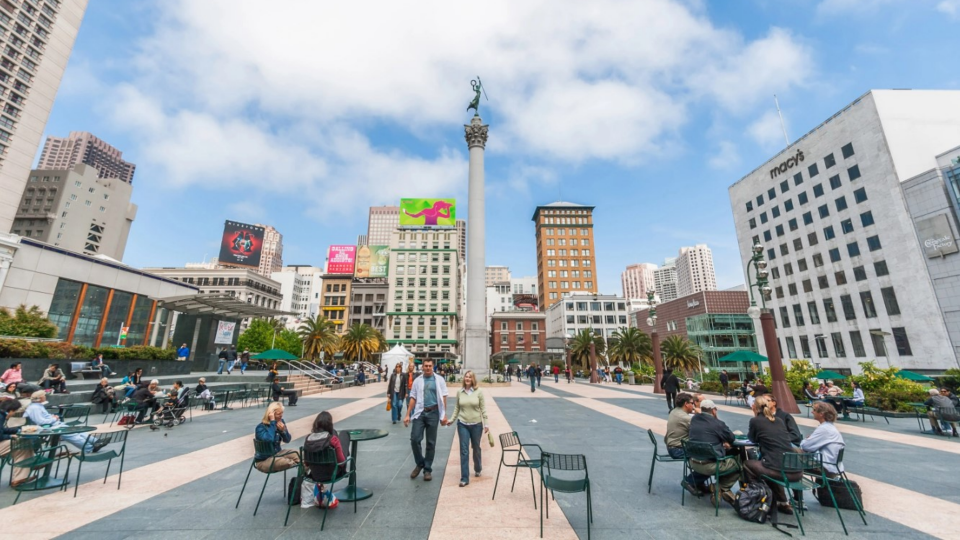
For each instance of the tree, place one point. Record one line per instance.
(289, 341)
(26, 322)
(631, 346)
(257, 337)
(580, 347)
(319, 335)
(679, 353)
(360, 342)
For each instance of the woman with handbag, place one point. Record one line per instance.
(470, 413)
(396, 392)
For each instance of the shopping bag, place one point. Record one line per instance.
(388, 405)
(308, 497)
(490, 438)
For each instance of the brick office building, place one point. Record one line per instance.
(518, 334)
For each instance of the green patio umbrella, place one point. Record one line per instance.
(274, 354)
(743, 356)
(827, 374)
(911, 376)
(513, 361)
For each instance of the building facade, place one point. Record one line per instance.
(665, 280)
(271, 255)
(423, 302)
(37, 38)
(637, 279)
(336, 299)
(381, 223)
(77, 210)
(839, 215)
(61, 153)
(602, 313)
(300, 289)
(495, 274)
(518, 331)
(695, 270)
(368, 304)
(566, 261)
(241, 283)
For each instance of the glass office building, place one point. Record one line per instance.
(719, 334)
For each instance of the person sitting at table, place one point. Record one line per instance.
(204, 393)
(678, 425)
(934, 403)
(825, 439)
(822, 389)
(105, 396)
(54, 378)
(21, 475)
(706, 427)
(37, 414)
(277, 391)
(833, 390)
(272, 429)
(857, 400)
(10, 392)
(770, 433)
(146, 399)
(795, 435)
(321, 437)
(945, 392)
(809, 393)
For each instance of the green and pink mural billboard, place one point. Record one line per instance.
(428, 212)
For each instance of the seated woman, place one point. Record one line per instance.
(105, 396)
(54, 378)
(323, 436)
(772, 436)
(10, 392)
(21, 475)
(273, 429)
(809, 393)
(858, 400)
(205, 394)
(825, 439)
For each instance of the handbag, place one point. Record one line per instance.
(388, 405)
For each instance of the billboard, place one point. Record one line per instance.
(428, 212)
(224, 333)
(372, 261)
(241, 244)
(341, 259)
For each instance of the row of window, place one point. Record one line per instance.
(563, 252)
(573, 242)
(422, 245)
(859, 196)
(823, 281)
(596, 306)
(588, 285)
(550, 231)
(565, 273)
(876, 336)
(412, 282)
(421, 295)
(534, 339)
(813, 170)
(853, 249)
(846, 302)
(434, 257)
(552, 263)
(412, 270)
(422, 308)
(597, 319)
(504, 326)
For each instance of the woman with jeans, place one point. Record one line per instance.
(773, 437)
(471, 414)
(397, 392)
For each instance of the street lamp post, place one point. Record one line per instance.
(569, 351)
(655, 343)
(779, 388)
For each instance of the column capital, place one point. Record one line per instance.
(476, 133)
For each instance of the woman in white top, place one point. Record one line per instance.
(470, 413)
(825, 439)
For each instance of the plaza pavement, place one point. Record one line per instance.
(185, 481)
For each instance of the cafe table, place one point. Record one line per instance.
(352, 492)
(52, 436)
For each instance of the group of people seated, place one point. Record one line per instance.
(942, 410)
(773, 431)
(833, 394)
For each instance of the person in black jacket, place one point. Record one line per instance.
(397, 392)
(795, 435)
(146, 400)
(770, 432)
(278, 391)
(21, 475)
(725, 382)
(105, 395)
(706, 427)
(671, 386)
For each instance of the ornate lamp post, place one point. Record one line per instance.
(655, 342)
(779, 388)
(569, 351)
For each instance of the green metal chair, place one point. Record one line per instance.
(846, 484)
(264, 448)
(127, 408)
(41, 457)
(114, 445)
(326, 458)
(703, 451)
(75, 415)
(662, 458)
(811, 468)
(562, 472)
(510, 443)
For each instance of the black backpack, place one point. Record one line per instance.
(845, 498)
(755, 502)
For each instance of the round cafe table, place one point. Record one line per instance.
(53, 440)
(352, 492)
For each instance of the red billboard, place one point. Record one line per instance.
(341, 259)
(241, 244)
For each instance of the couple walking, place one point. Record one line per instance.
(427, 411)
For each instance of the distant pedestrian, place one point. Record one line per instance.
(428, 400)
(397, 392)
(222, 357)
(231, 359)
(532, 377)
(519, 374)
(725, 382)
(556, 374)
(670, 386)
(183, 352)
(244, 360)
(539, 374)
(470, 413)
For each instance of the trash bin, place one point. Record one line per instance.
(631, 377)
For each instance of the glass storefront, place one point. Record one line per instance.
(718, 335)
(117, 316)
(63, 305)
(91, 313)
(140, 321)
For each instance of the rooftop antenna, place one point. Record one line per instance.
(782, 125)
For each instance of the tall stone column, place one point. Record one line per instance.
(475, 349)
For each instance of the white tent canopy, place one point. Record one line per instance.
(394, 355)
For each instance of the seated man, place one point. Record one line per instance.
(146, 400)
(98, 363)
(37, 414)
(934, 404)
(678, 429)
(53, 378)
(205, 394)
(706, 427)
(278, 391)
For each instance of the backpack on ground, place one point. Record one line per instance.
(755, 503)
(294, 489)
(843, 495)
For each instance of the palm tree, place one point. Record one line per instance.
(360, 341)
(631, 346)
(319, 335)
(580, 346)
(680, 353)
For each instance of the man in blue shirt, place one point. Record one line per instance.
(428, 401)
(183, 352)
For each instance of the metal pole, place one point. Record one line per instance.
(782, 125)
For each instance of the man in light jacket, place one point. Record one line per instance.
(428, 400)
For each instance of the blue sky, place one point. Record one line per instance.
(303, 114)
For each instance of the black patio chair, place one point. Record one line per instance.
(510, 443)
(562, 472)
(657, 456)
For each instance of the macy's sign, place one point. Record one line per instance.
(790, 163)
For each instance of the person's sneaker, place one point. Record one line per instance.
(689, 487)
(416, 471)
(427, 476)
(462, 483)
(477, 474)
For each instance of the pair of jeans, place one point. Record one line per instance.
(671, 400)
(619, 378)
(426, 424)
(396, 407)
(58, 386)
(243, 367)
(533, 384)
(469, 437)
(105, 370)
(556, 377)
(220, 369)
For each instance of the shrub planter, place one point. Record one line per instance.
(33, 367)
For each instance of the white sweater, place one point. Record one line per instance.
(828, 441)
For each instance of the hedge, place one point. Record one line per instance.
(21, 348)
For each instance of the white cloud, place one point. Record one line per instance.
(726, 157)
(950, 7)
(767, 131)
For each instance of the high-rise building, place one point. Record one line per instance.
(695, 270)
(83, 147)
(271, 256)
(637, 279)
(362, 240)
(857, 221)
(495, 274)
(566, 262)
(383, 220)
(603, 314)
(300, 288)
(665, 280)
(462, 244)
(77, 210)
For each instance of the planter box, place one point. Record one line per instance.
(33, 367)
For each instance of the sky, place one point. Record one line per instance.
(302, 114)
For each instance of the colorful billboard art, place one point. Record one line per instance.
(428, 212)
(372, 261)
(241, 244)
(341, 259)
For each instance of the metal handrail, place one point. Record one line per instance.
(305, 369)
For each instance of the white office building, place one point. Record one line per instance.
(603, 313)
(300, 287)
(857, 220)
(665, 280)
(381, 223)
(495, 274)
(695, 270)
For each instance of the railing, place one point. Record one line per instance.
(308, 370)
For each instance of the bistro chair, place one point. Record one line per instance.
(663, 458)
(510, 443)
(40, 458)
(126, 409)
(113, 444)
(846, 485)
(264, 448)
(703, 451)
(811, 468)
(566, 473)
(75, 415)
(326, 459)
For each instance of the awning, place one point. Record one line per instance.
(827, 374)
(743, 356)
(274, 354)
(911, 376)
(222, 305)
